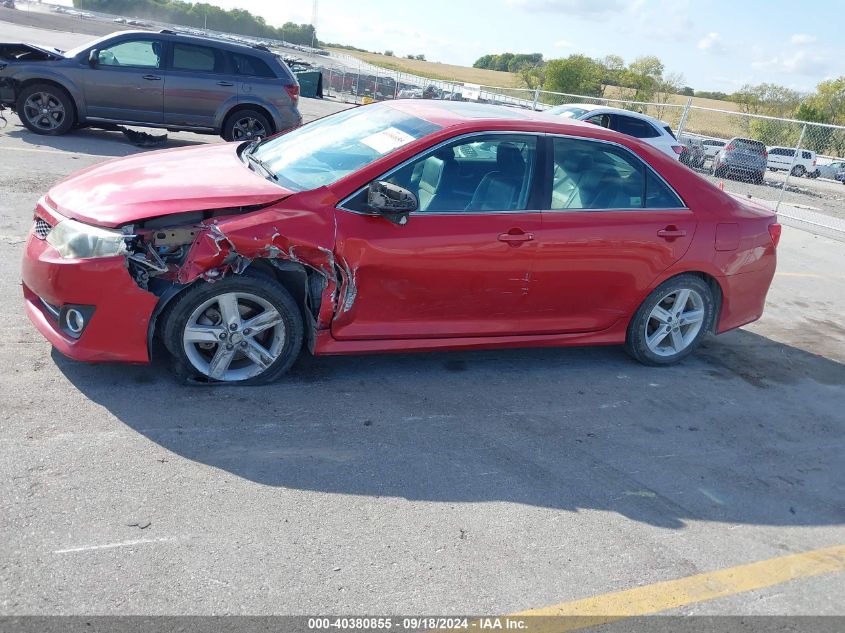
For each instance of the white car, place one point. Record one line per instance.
(781, 158)
(646, 128)
(712, 147)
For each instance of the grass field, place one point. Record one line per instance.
(703, 122)
(435, 70)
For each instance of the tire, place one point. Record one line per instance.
(798, 171)
(758, 178)
(720, 172)
(246, 125)
(643, 341)
(247, 359)
(31, 105)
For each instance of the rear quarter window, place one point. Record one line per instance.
(252, 66)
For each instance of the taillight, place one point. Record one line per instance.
(729, 147)
(679, 149)
(293, 92)
(774, 233)
(765, 153)
(814, 162)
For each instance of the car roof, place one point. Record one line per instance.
(448, 113)
(175, 36)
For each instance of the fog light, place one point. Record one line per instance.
(74, 321)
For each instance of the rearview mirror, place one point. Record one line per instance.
(93, 58)
(395, 203)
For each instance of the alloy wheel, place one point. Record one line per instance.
(674, 322)
(248, 128)
(44, 111)
(234, 336)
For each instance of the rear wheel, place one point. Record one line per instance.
(720, 171)
(240, 329)
(671, 322)
(758, 178)
(246, 125)
(798, 171)
(46, 109)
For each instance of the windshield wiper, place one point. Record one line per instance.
(260, 164)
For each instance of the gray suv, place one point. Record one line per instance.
(742, 157)
(165, 79)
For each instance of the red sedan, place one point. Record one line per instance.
(410, 225)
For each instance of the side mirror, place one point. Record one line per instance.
(93, 58)
(395, 203)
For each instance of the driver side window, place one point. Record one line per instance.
(134, 53)
(476, 174)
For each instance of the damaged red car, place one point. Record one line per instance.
(409, 225)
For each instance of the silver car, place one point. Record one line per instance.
(165, 80)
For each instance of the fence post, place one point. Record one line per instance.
(791, 166)
(330, 82)
(536, 98)
(682, 124)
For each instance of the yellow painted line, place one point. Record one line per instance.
(671, 594)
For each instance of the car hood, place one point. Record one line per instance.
(10, 51)
(160, 183)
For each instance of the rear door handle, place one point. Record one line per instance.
(516, 238)
(671, 232)
(225, 83)
(152, 77)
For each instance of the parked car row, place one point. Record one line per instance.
(750, 158)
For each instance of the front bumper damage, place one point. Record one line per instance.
(129, 292)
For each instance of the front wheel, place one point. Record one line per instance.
(46, 109)
(246, 330)
(671, 322)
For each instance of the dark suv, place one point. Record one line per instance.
(166, 79)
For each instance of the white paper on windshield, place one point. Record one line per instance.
(387, 140)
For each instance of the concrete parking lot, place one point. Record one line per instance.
(467, 482)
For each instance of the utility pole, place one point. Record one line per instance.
(313, 23)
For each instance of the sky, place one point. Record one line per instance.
(715, 44)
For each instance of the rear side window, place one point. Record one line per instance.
(669, 132)
(635, 127)
(600, 176)
(252, 66)
(806, 155)
(715, 143)
(192, 58)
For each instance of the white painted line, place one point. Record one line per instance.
(40, 151)
(88, 548)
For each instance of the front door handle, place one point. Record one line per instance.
(671, 232)
(515, 237)
(152, 77)
(225, 83)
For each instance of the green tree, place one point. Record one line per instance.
(576, 74)
(643, 75)
(612, 71)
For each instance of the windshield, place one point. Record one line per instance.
(570, 112)
(324, 151)
(73, 52)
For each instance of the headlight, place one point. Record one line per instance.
(75, 240)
